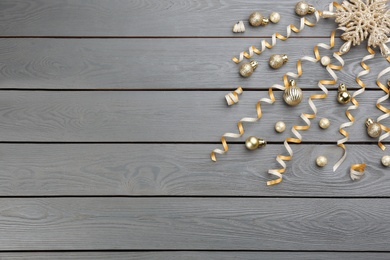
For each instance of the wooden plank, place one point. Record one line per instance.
(164, 116)
(195, 255)
(195, 224)
(184, 170)
(162, 64)
(145, 18)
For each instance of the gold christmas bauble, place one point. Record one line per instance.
(292, 94)
(280, 127)
(247, 68)
(374, 129)
(274, 17)
(386, 160)
(252, 143)
(257, 19)
(321, 161)
(324, 123)
(302, 8)
(343, 95)
(277, 60)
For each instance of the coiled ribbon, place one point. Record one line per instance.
(265, 44)
(240, 127)
(365, 71)
(232, 97)
(382, 108)
(357, 171)
(305, 116)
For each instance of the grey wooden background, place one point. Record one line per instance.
(108, 113)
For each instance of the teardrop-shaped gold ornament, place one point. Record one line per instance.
(292, 94)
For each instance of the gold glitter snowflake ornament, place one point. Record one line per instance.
(363, 19)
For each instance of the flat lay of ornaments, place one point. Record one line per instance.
(360, 22)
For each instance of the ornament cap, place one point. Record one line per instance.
(285, 58)
(292, 83)
(264, 21)
(342, 87)
(311, 10)
(369, 121)
(254, 64)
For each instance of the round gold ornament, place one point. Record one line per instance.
(257, 19)
(292, 94)
(252, 143)
(277, 60)
(274, 17)
(325, 61)
(247, 68)
(324, 123)
(302, 8)
(374, 129)
(280, 127)
(343, 95)
(321, 161)
(386, 160)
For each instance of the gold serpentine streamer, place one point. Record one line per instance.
(306, 117)
(357, 171)
(265, 44)
(232, 97)
(365, 71)
(240, 127)
(382, 108)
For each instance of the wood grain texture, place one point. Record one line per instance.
(164, 116)
(194, 255)
(163, 64)
(183, 170)
(194, 224)
(145, 17)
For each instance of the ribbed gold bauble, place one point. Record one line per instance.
(292, 94)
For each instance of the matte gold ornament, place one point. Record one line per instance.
(274, 17)
(257, 19)
(325, 61)
(277, 60)
(302, 8)
(247, 68)
(321, 161)
(324, 123)
(292, 94)
(374, 129)
(280, 127)
(253, 143)
(343, 95)
(386, 160)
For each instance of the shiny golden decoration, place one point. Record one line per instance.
(277, 60)
(302, 8)
(386, 160)
(374, 129)
(232, 97)
(280, 127)
(247, 68)
(274, 17)
(292, 94)
(343, 95)
(257, 19)
(324, 123)
(253, 143)
(321, 161)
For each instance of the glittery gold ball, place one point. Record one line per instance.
(343, 97)
(386, 160)
(374, 130)
(293, 95)
(256, 19)
(324, 123)
(302, 8)
(274, 17)
(247, 68)
(321, 161)
(276, 60)
(280, 127)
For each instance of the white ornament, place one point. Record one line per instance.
(325, 61)
(239, 27)
(386, 160)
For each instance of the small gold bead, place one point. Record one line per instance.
(274, 17)
(321, 161)
(280, 127)
(252, 143)
(324, 123)
(386, 160)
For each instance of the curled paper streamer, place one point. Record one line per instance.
(232, 97)
(265, 44)
(240, 127)
(357, 171)
(239, 27)
(365, 71)
(386, 130)
(306, 117)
